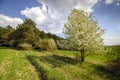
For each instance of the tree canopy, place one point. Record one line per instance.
(83, 31)
(25, 35)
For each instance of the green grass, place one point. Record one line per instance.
(35, 65)
(14, 66)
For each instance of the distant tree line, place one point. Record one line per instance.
(26, 35)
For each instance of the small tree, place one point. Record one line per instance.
(83, 31)
(46, 44)
(49, 45)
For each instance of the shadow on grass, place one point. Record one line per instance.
(58, 61)
(108, 74)
(100, 70)
(50, 60)
(65, 59)
(53, 60)
(38, 69)
(44, 70)
(103, 72)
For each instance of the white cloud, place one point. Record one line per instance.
(116, 2)
(35, 13)
(45, 21)
(58, 10)
(112, 40)
(66, 5)
(6, 20)
(52, 19)
(109, 1)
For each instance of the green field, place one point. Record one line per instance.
(35, 65)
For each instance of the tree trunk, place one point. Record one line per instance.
(82, 55)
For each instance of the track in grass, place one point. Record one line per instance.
(34, 65)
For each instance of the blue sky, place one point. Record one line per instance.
(13, 7)
(50, 15)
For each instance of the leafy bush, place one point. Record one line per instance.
(24, 46)
(46, 44)
(49, 45)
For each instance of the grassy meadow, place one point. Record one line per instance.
(35, 65)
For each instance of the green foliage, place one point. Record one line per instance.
(5, 35)
(25, 33)
(83, 31)
(44, 35)
(29, 34)
(2, 39)
(48, 45)
(64, 44)
(38, 45)
(24, 46)
(113, 57)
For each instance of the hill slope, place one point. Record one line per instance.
(34, 65)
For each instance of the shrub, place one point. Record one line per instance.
(24, 46)
(46, 44)
(49, 45)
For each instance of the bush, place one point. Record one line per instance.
(24, 46)
(46, 44)
(49, 45)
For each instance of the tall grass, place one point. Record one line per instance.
(14, 66)
(36, 65)
(47, 73)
